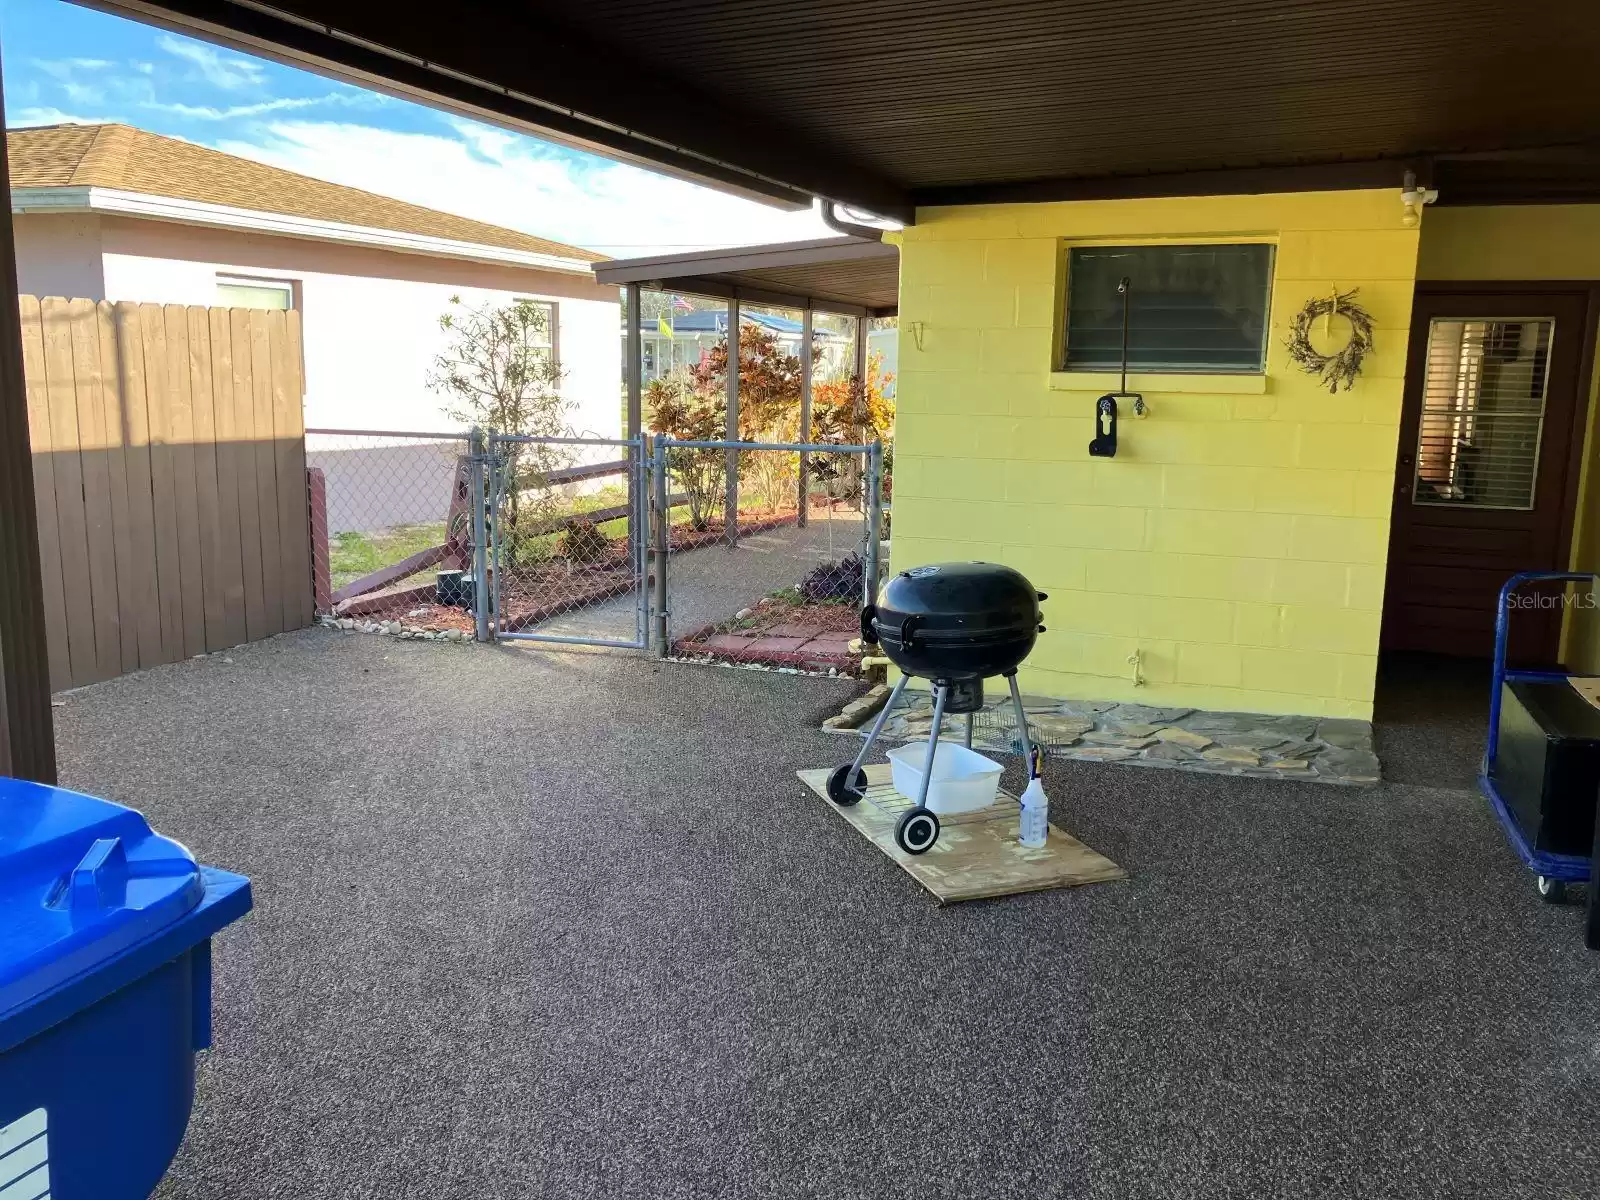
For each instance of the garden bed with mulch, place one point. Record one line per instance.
(530, 595)
(782, 631)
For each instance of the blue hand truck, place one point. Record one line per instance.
(1554, 871)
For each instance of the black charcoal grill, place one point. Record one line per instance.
(955, 625)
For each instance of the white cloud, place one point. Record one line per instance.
(46, 115)
(60, 68)
(221, 70)
(521, 183)
(207, 112)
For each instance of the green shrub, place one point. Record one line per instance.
(583, 542)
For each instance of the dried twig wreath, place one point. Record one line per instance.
(1344, 366)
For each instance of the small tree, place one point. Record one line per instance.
(769, 380)
(843, 410)
(681, 413)
(498, 371)
(852, 411)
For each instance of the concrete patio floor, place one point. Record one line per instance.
(544, 925)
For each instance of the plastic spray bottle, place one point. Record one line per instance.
(1034, 828)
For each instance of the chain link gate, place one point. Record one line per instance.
(763, 552)
(627, 543)
(559, 535)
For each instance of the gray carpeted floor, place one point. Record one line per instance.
(535, 925)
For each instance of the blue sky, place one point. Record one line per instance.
(65, 63)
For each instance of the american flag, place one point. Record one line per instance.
(681, 305)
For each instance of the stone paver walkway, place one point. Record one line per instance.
(1320, 749)
(781, 646)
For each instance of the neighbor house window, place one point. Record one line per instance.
(549, 336)
(1190, 308)
(234, 291)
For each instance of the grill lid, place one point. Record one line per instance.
(960, 601)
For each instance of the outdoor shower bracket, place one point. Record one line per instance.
(1104, 444)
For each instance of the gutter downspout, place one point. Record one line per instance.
(838, 224)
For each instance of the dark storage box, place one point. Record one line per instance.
(1547, 766)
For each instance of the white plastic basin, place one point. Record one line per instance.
(963, 780)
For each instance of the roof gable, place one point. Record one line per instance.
(124, 158)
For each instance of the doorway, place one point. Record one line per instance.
(1486, 477)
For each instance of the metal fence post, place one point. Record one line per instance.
(639, 542)
(480, 541)
(874, 521)
(663, 541)
(807, 341)
(730, 502)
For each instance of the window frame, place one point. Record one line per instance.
(553, 307)
(1540, 417)
(1063, 371)
(276, 282)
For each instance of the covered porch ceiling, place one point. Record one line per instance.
(853, 276)
(886, 105)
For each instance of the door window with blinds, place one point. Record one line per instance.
(1483, 406)
(1191, 309)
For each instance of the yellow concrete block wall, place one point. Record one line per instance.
(1232, 553)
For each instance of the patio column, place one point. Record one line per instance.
(730, 511)
(27, 733)
(863, 327)
(857, 465)
(632, 372)
(805, 412)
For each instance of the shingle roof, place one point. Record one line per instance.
(134, 160)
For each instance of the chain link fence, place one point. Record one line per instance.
(389, 511)
(757, 552)
(565, 541)
(780, 584)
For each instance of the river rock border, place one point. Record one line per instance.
(399, 629)
(1317, 749)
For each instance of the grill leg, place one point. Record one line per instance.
(877, 725)
(1022, 724)
(967, 737)
(940, 692)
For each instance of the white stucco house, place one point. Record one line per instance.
(110, 212)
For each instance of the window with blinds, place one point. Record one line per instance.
(1482, 412)
(1191, 309)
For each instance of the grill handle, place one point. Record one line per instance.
(869, 636)
(908, 631)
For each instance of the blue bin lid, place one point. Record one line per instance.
(81, 880)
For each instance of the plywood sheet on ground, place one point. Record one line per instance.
(977, 855)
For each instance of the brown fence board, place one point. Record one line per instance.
(247, 461)
(203, 415)
(116, 432)
(132, 386)
(169, 467)
(71, 520)
(230, 565)
(94, 452)
(44, 489)
(180, 408)
(163, 488)
(266, 470)
(289, 443)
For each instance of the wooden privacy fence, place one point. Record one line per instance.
(169, 472)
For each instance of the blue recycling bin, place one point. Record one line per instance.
(105, 993)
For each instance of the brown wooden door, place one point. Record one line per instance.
(1487, 467)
